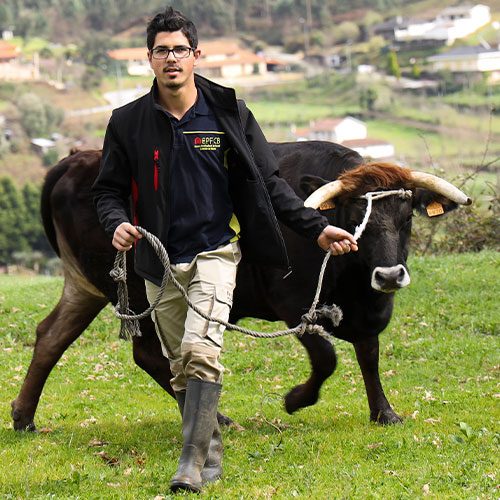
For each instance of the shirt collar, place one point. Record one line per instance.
(200, 106)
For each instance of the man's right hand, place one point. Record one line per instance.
(124, 237)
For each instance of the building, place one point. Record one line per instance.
(136, 59)
(450, 24)
(349, 132)
(218, 59)
(11, 67)
(41, 146)
(468, 59)
(8, 52)
(336, 129)
(227, 60)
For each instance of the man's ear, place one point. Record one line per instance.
(310, 183)
(197, 55)
(431, 204)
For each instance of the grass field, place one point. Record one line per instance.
(108, 431)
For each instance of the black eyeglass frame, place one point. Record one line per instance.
(168, 51)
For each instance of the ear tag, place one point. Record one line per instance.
(434, 209)
(327, 205)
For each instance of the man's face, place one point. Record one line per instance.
(173, 72)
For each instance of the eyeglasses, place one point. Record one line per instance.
(179, 52)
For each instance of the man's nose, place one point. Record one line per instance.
(171, 56)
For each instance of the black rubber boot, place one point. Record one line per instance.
(212, 469)
(199, 418)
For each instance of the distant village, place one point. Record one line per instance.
(229, 63)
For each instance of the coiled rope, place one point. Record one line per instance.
(130, 321)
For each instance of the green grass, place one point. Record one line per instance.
(439, 366)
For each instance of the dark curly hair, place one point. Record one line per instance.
(171, 20)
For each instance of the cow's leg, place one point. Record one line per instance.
(367, 353)
(149, 357)
(323, 363)
(73, 313)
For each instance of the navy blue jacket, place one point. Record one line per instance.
(132, 184)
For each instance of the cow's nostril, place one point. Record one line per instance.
(379, 277)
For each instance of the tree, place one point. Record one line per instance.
(32, 115)
(368, 98)
(393, 65)
(37, 116)
(12, 222)
(34, 232)
(415, 70)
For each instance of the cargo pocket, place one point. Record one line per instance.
(223, 300)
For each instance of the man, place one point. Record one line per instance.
(204, 180)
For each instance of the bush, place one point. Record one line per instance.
(50, 158)
(38, 117)
(467, 229)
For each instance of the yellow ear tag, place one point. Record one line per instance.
(327, 205)
(434, 209)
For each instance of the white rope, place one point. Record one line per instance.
(376, 195)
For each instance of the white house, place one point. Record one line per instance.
(336, 129)
(349, 132)
(449, 25)
(468, 59)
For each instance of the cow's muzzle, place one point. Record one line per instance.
(390, 279)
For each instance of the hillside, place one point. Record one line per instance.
(71, 20)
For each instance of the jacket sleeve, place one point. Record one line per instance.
(289, 208)
(112, 188)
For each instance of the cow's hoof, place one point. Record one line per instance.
(21, 423)
(224, 419)
(299, 397)
(385, 417)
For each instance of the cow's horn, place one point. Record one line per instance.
(440, 186)
(324, 193)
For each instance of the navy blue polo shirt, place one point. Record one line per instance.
(201, 210)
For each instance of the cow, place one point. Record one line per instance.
(362, 284)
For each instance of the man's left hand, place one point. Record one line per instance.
(338, 240)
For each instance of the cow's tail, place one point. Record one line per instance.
(51, 179)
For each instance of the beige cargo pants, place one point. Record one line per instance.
(191, 343)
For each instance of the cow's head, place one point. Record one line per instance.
(384, 244)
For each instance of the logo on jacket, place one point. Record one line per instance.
(205, 141)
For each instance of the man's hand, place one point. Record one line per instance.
(124, 237)
(338, 240)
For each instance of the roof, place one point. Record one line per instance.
(331, 123)
(464, 51)
(230, 52)
(357, 143)
(399, 22)
(129, 54)
(8, 50)
(42, 142)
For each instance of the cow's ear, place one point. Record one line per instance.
(431, 204)
(310, 183)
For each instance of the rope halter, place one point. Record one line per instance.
(404, 194)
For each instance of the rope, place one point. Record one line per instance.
(130, 321)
